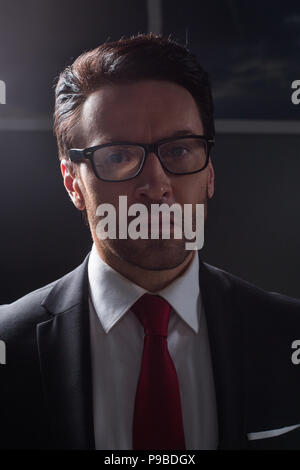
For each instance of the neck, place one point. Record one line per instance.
(150, 280)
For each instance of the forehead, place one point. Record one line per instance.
(144, 111)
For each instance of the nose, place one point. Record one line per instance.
(153, 184)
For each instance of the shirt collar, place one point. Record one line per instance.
(112, 294)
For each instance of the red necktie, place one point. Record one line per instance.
(157, 421)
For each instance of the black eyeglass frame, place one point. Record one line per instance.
(76, 155)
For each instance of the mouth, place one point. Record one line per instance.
(159, 226)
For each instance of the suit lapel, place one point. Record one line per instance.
(64, 349)
(225, 329)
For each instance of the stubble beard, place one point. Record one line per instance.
(150, 254)
(154, 255)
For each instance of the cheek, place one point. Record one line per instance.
(192, 190)
(100, 192)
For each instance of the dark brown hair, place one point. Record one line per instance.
(145, 56)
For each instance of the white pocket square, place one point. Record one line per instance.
(271, 433)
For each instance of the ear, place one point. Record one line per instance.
(71, 183)
(211, 180)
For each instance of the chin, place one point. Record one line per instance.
(155, 255)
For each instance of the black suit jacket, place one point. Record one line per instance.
(46, 393)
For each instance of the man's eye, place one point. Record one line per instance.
(177, 152)
(117, 158)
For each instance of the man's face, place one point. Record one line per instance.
(145, 112)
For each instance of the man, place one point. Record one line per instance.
(85, 366)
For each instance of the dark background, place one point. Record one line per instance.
(251, 50)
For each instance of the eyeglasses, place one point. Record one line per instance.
(122, 161)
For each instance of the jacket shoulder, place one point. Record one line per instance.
(248, 293)
(25, 311)
(28, 310)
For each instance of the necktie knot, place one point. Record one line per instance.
(154, 313)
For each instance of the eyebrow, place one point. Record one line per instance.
(178, 133)
(183, 132)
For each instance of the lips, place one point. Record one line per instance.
(161, 228)
(169, 220)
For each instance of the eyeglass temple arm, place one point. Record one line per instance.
(76, 155)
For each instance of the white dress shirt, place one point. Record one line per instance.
(117, 339)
